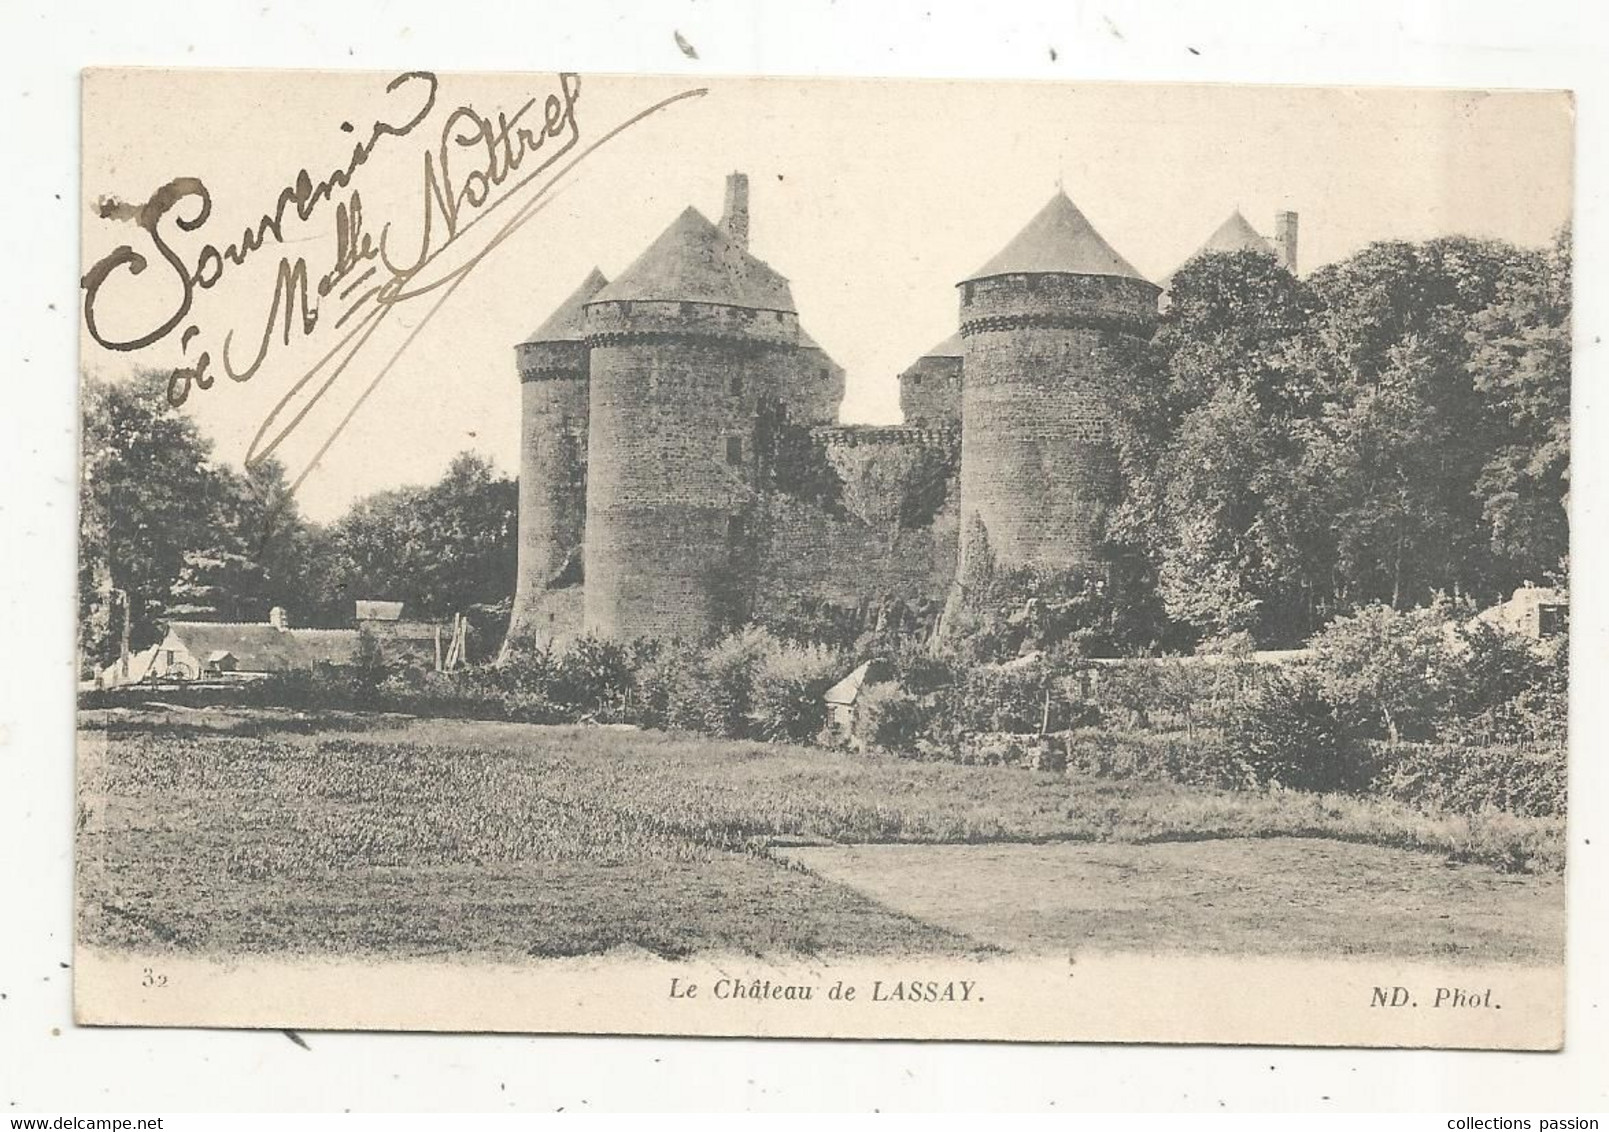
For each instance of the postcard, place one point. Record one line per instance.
(824, 558)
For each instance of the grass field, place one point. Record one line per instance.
(253, 832)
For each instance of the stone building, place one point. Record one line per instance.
(683, 469)
(930, 389)
(1038, 471)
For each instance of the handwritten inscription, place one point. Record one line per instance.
(504, 162)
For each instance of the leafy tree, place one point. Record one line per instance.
(1520, 365)
(148, 495)
(440, 549)
(1408, 433)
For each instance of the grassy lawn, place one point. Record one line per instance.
(225, 830)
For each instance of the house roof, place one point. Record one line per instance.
(949, 348)
(696, 261)
(378, 610)
(139, 667)
(1059, 240)
(260, 647)
(566, 323)
(847, 690)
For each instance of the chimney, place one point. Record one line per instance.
(276, 617)
(1285, 239)
(735, 217)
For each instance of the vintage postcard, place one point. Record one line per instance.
(862, 559)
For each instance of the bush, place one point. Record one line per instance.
(1202, 759)
(1466, 780)
(1288, 733)
(892, 719)
(787, 688)
(1021, 698)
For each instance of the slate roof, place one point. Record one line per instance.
(1060, 240)
(1236, 235)
(695, 261)
(847, 690)
(565, 323)
(263, 648)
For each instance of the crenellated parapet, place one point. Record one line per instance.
(914, 436)
(651, 322)
(551, 361)
(1058, 302)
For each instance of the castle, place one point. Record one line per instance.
(682, 469)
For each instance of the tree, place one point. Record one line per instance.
(1520, 364)
(148, 494)
(1214, 442)
(1408, 433)
(441, 549)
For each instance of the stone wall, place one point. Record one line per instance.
(930, 392)
(1038, 470)
(554, 415)
(672, 472)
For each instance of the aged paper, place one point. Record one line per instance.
(864, 559)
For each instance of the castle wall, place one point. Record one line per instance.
(849, 562)
(1038, 471)
(671, 480)
(814, 387)
(552, 483)
(930, 392)
(867, 559)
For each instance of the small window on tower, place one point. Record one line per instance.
(825, 373)
(735, 385)
(916, 380)
(734, 450)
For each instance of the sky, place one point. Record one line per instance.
(874, 198)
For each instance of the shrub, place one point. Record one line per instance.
(1021, 698)
(1202, 759)
(787, 689)
(1287, 732)
(1387, 670)
(593, 679)
(891, 718)
(1435, 776)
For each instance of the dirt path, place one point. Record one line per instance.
(1274, 896)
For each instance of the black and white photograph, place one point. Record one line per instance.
(750, 556)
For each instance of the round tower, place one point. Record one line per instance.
(1038, 471)
(554, 409)
(684, 346)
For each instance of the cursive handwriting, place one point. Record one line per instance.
(505, 165)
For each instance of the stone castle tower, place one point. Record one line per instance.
(686, 346)
(1038, 470)
(554, 412)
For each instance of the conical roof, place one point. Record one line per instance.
(1060, 241)
(1236, 235)
(565, 323)
(695, 261)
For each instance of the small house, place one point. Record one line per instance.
(1535, 612)
(845, 700)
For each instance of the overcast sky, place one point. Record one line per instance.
(873, 198)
